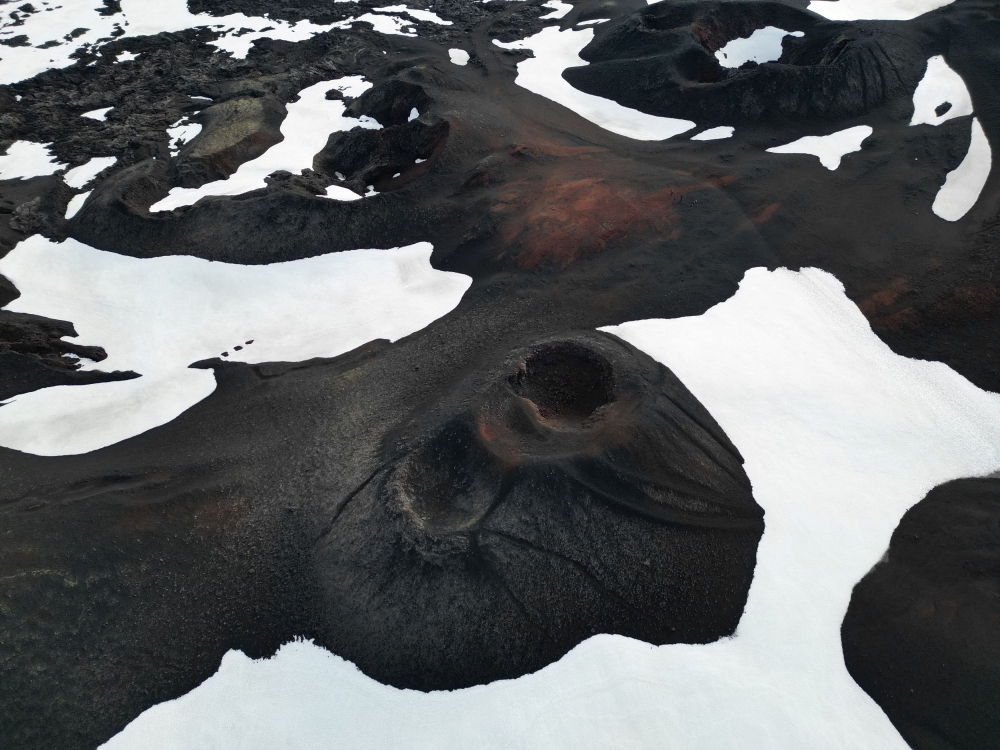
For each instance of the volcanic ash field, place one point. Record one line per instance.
(500, 373)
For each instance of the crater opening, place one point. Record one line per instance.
(566, 382)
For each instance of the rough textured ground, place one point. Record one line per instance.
(129, 571)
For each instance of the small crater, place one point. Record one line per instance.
(566, 382)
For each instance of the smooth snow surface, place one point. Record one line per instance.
(556, 50)
(25, 159)
(840, 437)
(181, 132)
(963, 185)
(458, 56)
(940, 85)
(78, 177)
(305, 130)
(98, 114)
(829, 148)
(76, 203)
(592, 21)
(559, 9)
(763, 45)
(383, 24)
(338, 193)
(715, 134)
(420, 15)
(875, 10)
(156, 316)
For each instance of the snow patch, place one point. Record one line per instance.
(25, 159)
(559, 9)
(76, 203)
(963, 184)
(940, 86)
(338, 193)
(840, 436)
(156, 316)
(763, 45)
(78, 177)
(829, 148)
(305, 130)
(420, 15)
(148, 18)
(592, 21)
(715, 134)
(98, 114)
(556, 50)
(391, 25)
(875, 10)
(181, 132)
(458, 56)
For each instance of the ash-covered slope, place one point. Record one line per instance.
(471, 501)
(921, 632)
(573, 488)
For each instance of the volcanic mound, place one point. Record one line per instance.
(920, 635)
(574, 488)
(662, 61)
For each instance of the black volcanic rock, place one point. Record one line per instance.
(662, 61)
(922, 634)
(33, 355)
(372, 157)
(576, 487)
(390, 103)
(234, 131)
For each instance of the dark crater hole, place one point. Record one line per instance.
(566, 382)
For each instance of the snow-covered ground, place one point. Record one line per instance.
(25, 159)
(940, 96)
(941, 87)
(829, 148)
(156, 316)
(763, 45)
(840, 438)
(875, 10)
(715, 134)
(55, 21)
(79, 177)
(963, 185)
(305, 130)
(556, 50)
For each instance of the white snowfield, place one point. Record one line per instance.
(763, 45)
(875, 10)
(79, 177)
(715, 134)
(559, 10)
(964, 184)
(181, 132)
(156, 316)
(56, 19)
(840, 438)
(940, 85)
(829, 148)
(305, 130)
(98, 114)
(25, 159)
(556, 50)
